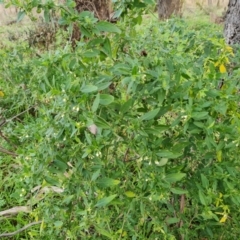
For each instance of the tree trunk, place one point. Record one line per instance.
(232, 22)
(100, 8)
(168, 7)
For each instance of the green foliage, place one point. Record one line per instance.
(128, 137)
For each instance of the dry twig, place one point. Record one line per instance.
(19, 230)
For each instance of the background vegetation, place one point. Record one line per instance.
(133, 135)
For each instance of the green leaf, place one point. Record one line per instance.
(68, 199)
(102, 86)
(205, 182)
(199, 124)
(85, 32)
(156, 129)
(51, 181)
(150, 115)
(100, 122)
(199, 115)
(61, 165)
(178, 191)
(174, 177)
(20, 16)
(162, 162)
(202, 198)
(107, 27)
(107, 182)
(89, 88)
(106, 99)
(168, 154)
(46, 15)
(91, 54)
(172, 220)
(105, 201)
(96, 103)
(96, 175)
(127, 105)
(103, 232)
(107, 47)
(58, 224)
(130, 194)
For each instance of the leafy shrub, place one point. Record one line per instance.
(136, 128)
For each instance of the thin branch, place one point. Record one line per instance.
(3, 150)
(16, 116)
(19, 230)
(7, 140)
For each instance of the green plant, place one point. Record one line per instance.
(128, 137)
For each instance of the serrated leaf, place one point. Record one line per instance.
(174, 177)
(178, 191)
(105, 201)
(107, 27)
(150, 115)
(107, 182)
(130, 194)
(89, 88)
(106, 99)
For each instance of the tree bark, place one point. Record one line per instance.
(232, 22)
(100, 8)
(168, 7)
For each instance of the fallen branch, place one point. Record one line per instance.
(19, 230)
(5, 121)
(3, 150)
(14, 211)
